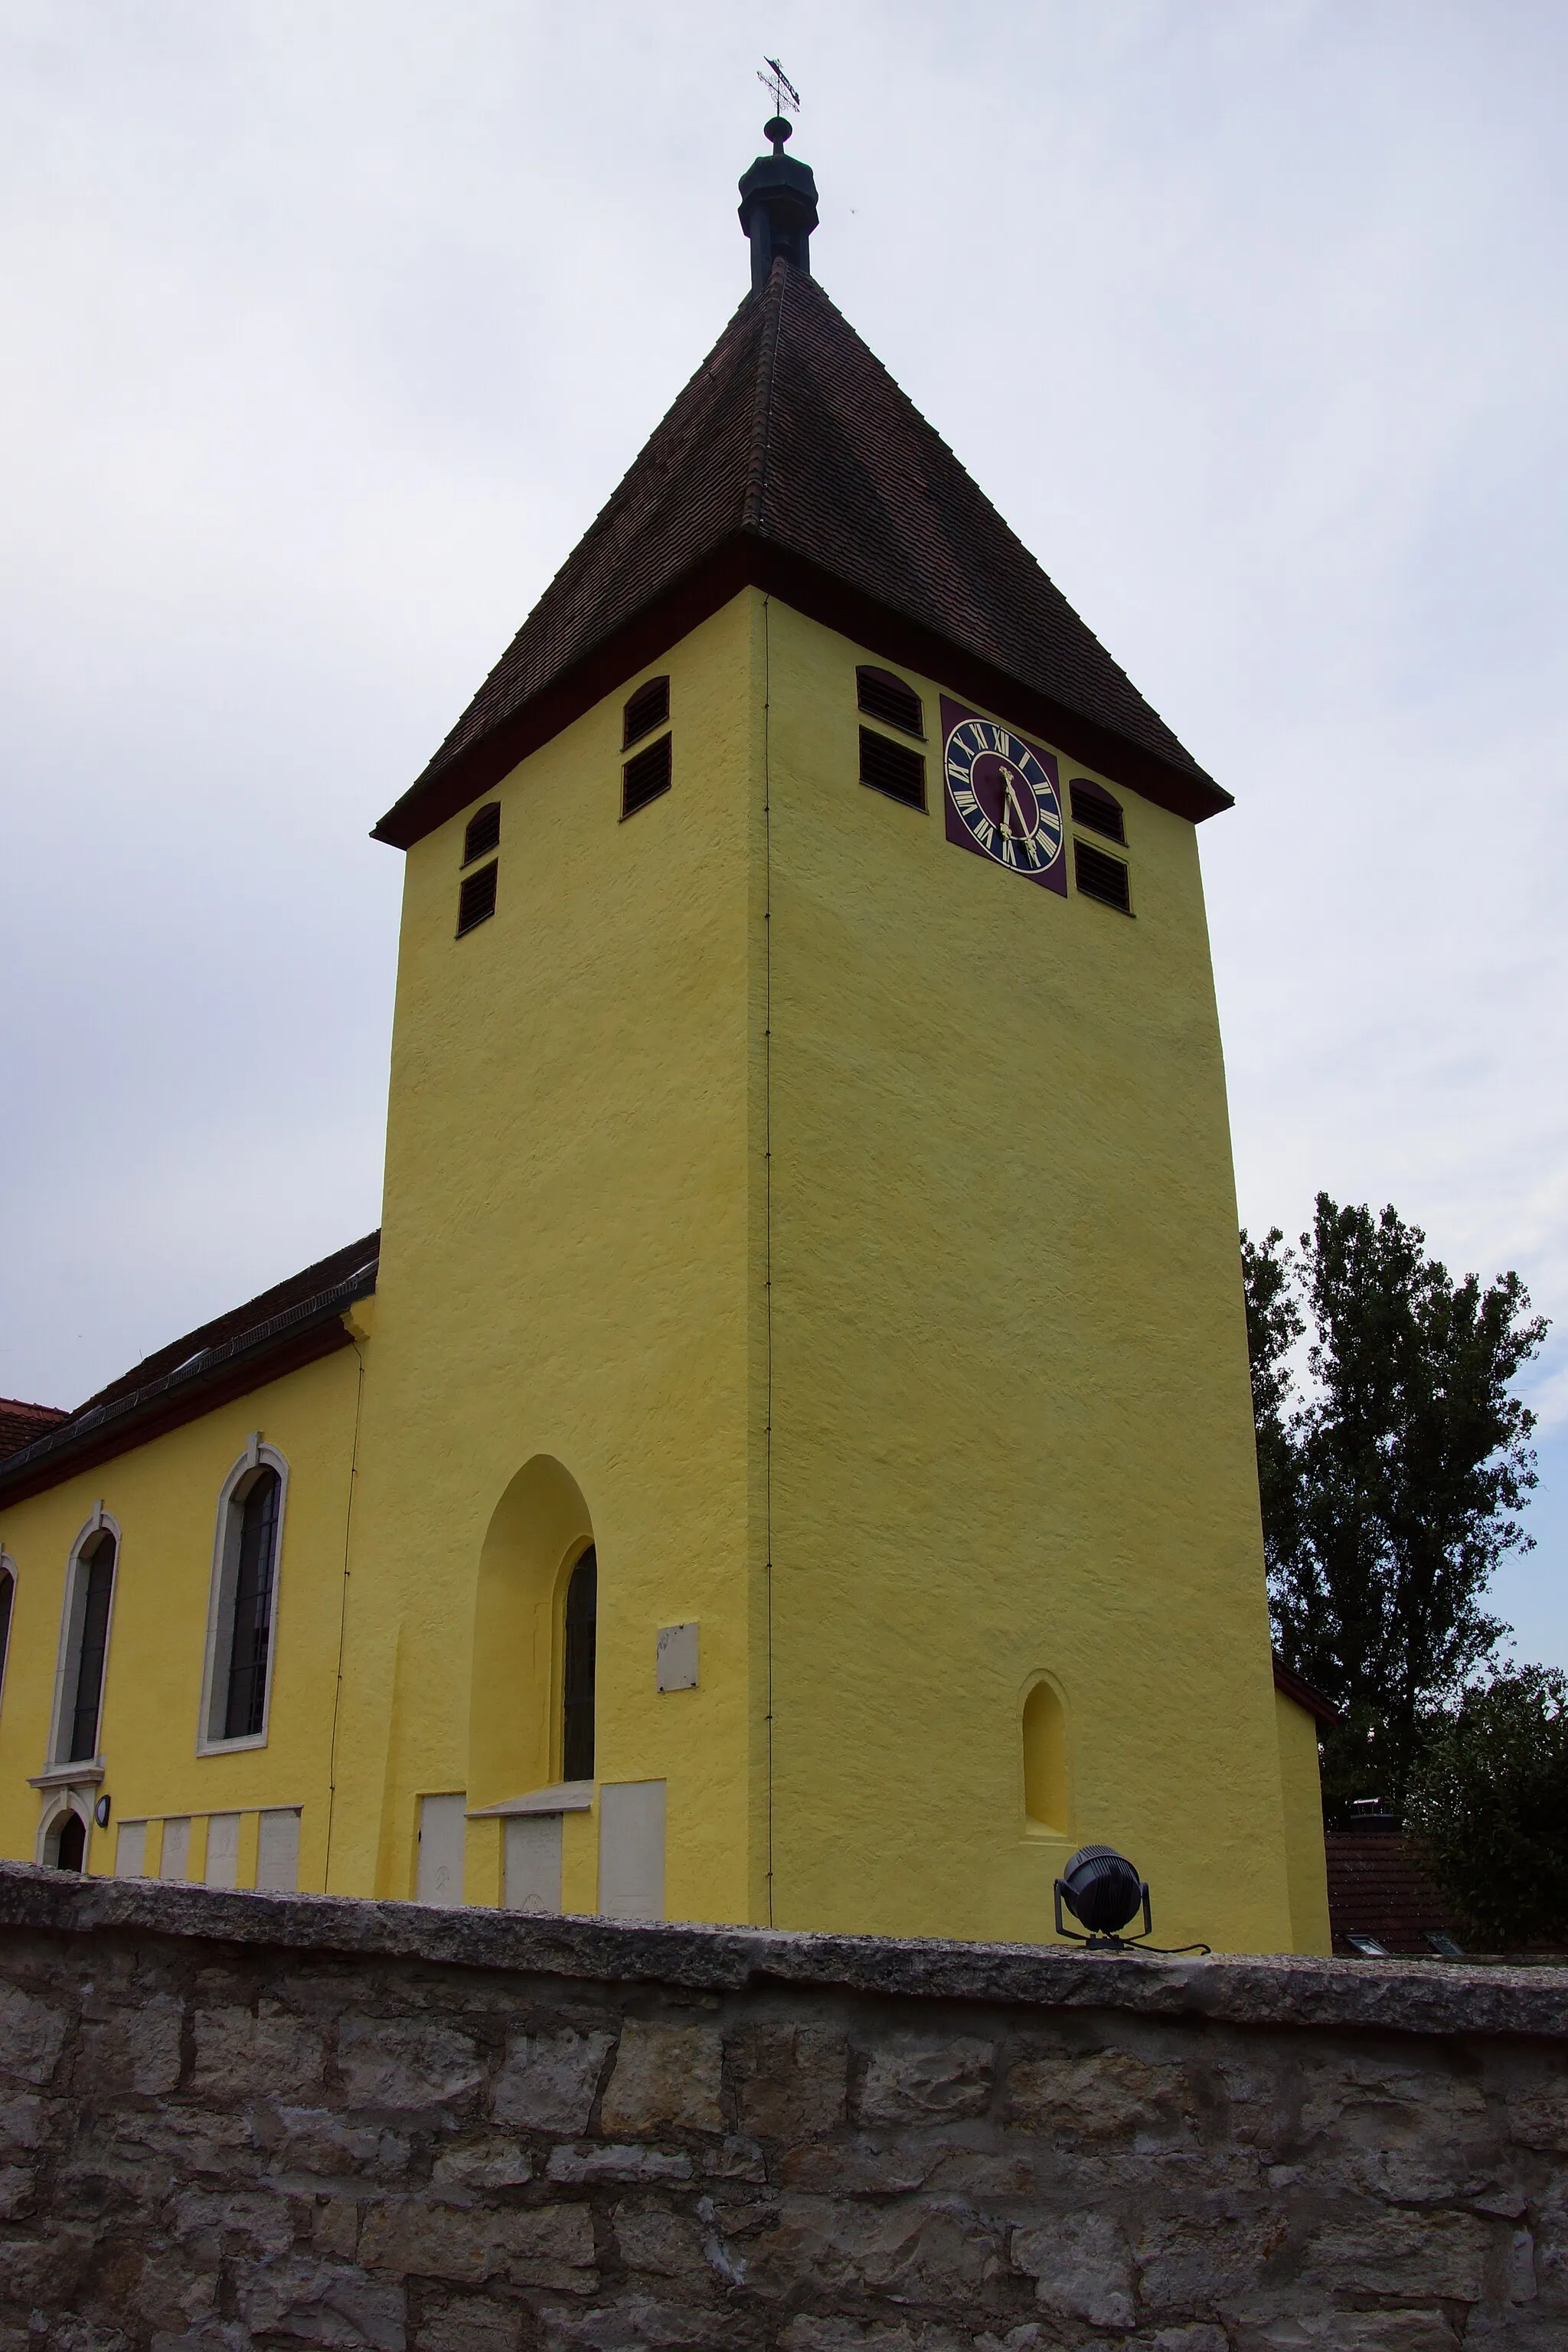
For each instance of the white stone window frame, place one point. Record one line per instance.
(67, 1662)
(8, 1568)
(218, 1656)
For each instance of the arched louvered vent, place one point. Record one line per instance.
(643, 778)
(1101, 877)
(477, 899)
(483, 834)
(892, 768)
(883, 696)
(649, 709)
(1097, 810)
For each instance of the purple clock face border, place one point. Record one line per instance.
(1001, 797)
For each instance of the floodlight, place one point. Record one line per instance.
(1105, 1893)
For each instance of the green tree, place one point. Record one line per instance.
(1389, 1474)
(1489, 1802)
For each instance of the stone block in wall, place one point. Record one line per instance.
(912, 2250)
(631, 2319)
(791, 2081)
(477, 2170)
(1081, 2265)
(132, 2048)
(300, 2300)
(576, 2165)
(914, 2078)
(546, 2245)
(469, 2323)
(267, 2054)
(406, 2064)
(1395, 2253)
(549, 2080)
(32, 2035)
(669, 2074)
(1099, 2095)
(318, 2147)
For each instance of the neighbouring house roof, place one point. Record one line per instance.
(282, 1329)
(793, 462)
(1378, 1887)
(20, 1424)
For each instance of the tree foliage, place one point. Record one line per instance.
(1489, 1801)
(1390, 1474)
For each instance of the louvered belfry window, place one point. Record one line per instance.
(883, 696)
(1101, 877)
(643, 778)
(647, 708)
(483, 833)
(892, 768)
(1097, 810)
(95, 1566)
(577, 1669)
(477, 899)
(244, 1711)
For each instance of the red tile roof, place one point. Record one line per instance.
(1378, 1887)
(20, 1424)
(292, 1324)
(791, 461)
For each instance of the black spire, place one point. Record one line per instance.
(778, 207)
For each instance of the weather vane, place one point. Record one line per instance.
(779, 88)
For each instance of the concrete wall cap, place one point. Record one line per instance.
(1385, 1996)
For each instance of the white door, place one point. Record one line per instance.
(441, 1829)
(533, 1862)
(631, 1849)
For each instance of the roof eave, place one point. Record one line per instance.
(749, 559)
(248, 1363)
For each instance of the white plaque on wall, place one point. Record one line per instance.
(631, 1849)
(441, 1832)
(223, 1849)
(278, 1853)
(532, 1862)
(676, 1657)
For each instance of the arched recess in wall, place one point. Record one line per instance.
(538, 1532)
(1048, 1796)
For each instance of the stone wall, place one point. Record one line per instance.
(244, 2119)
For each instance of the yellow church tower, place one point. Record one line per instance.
(795, 1464)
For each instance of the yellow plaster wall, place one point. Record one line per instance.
(564, 1283)
(164, 1497)
(1011, 1430)
(1304, 1856)
(837, 1231)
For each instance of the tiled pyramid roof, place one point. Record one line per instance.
(791, 461)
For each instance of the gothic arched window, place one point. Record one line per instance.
(242, 1613)
(580, 1631)
(7, 1605)
(89, 1592)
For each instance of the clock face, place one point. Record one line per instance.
(1002, 797)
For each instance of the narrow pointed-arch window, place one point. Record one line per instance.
(7, 1603)
(246, 1710)
(89, 1647)
(577, 1665)
(242, 1619)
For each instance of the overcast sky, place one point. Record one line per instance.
(329, 327)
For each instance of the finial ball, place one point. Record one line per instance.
(778, 131)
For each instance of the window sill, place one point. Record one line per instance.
(565, 1797)
(65, 1776)
(231, 1747)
